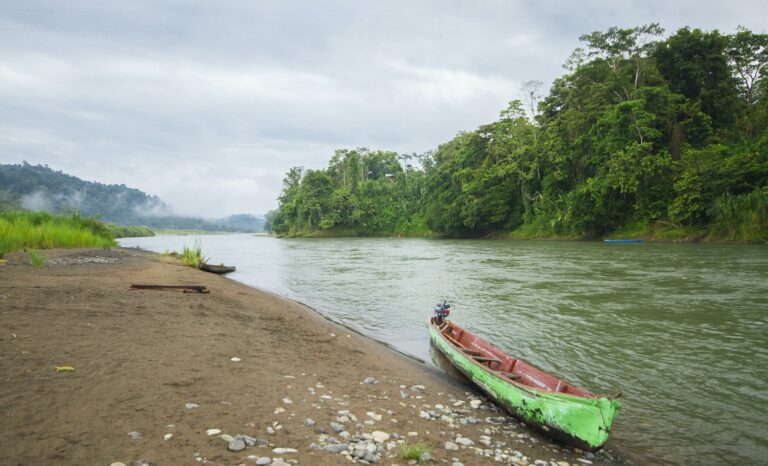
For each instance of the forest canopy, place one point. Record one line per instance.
(641, 134)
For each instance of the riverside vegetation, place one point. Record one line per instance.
(641, 136)
(40, 230)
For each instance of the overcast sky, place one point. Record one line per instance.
(208, 104)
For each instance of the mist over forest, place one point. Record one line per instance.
(40, 188)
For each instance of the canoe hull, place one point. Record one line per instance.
(572, 420)
(217, 269)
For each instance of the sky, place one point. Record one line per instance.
(207, 104)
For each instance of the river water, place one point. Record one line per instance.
(680, 329)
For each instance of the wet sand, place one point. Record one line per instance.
(141, 356)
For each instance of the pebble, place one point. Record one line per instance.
(135, 435)
(226, 438)
(337, 427)
(336, 447)
(451, 446)
(370, 381)
(236, 444)
(374, 416)
(167, 436)
(457, 463)
(283, 451)
(280, 462)
(287, 401)
(235, 359)
(582, 460)
(117, 464)
(213, 431)
(475, 404)
(464, 441)
(263, 460)
(309, 422)
(418, 388)
(192, 405)
(379, 436)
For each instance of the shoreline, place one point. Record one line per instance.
(142, 357)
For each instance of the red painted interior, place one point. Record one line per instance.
(504, 365)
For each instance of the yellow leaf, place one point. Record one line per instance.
(65, 369)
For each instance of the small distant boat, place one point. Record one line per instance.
(622, 241)
(557, 408)
(220, 269)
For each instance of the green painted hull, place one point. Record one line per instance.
(574, 420)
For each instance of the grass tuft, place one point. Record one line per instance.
(413, 451)
(36, 259)
(192, 256)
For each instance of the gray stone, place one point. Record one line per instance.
(425, 457)
(451, 446)
(236, 444)
(456, 463)
(249, 441)
(263, 460)
(464, 441)
(336, 447)
(370, 381)
(337, 427)
(309, 422)
(135, 435)
(379, 436)
(371, 457)
(192, 405)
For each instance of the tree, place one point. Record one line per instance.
(626, 53)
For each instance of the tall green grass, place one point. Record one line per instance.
(192, 256)
(741, 218)
(40, 230)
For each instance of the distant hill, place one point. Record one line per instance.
(38, 187)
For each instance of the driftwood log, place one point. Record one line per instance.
(183, 288)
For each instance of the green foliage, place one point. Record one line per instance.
(741, 218)
(362, 192)
(119, 231)
(192, 256)
(667, 137)
(35, 259)
(40, 230)
(413, 451)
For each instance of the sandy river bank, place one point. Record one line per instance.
(154, 376)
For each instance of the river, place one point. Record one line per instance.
(679, 329)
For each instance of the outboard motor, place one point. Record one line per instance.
(442, 311)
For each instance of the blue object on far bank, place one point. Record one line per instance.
(622, 241)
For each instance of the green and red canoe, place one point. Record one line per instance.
(562, 411)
